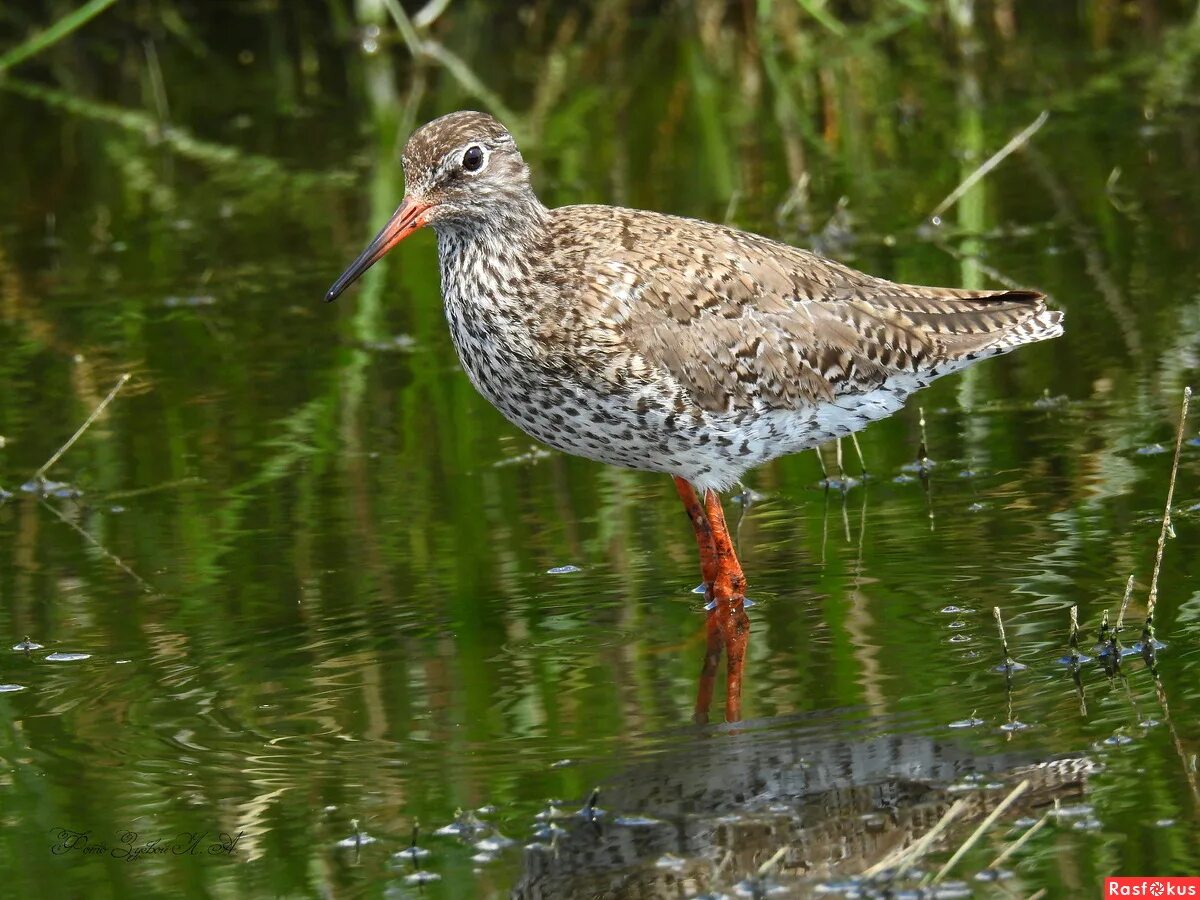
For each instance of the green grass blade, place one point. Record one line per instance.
(816, 9)
(55, 33)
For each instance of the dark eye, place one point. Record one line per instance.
(473, 158)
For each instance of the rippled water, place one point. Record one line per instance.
(301, 589)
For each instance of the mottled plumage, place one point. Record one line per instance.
(672, 344)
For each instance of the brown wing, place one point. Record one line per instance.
(742, 321)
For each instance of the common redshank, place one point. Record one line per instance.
(669, 344)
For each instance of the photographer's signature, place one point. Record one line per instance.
(130, 846)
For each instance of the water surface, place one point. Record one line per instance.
(300, 576)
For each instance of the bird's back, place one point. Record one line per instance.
(744, 322)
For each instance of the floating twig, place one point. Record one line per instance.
(1008, 660)
(1073, 640)
(40, 474)
(1021, 138)
(1114, 636)
(979, 832)
(1167, 530)
(1124, 606)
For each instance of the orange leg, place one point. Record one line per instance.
(704, 533)
(729, 592)
(708, 567)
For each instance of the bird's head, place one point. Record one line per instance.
(460, 171)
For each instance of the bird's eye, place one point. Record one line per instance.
(473, 158)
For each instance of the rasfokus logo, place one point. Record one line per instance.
(1151, 886)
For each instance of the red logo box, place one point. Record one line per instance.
(1151, 886)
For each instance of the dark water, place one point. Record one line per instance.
(311, 570)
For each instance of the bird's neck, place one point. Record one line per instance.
(483, 261)
(518, 222)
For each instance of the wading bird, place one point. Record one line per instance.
(669, 344)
